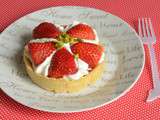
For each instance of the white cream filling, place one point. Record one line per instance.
(43, 67)
(42, 40)
(67, 46)
(60, 27)
(83, 67)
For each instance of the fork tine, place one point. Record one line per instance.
(147, 28)
(139, 27)
(151, 28)
(143, 28)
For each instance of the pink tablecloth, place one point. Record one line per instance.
(132, 105)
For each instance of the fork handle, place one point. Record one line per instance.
(154, 67)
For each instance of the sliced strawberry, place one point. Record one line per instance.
(82, 31)
(88, 52)
(62, 63)
(40, 51)
(46, 30)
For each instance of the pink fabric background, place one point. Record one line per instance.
(129, 107)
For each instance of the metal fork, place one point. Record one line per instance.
(148, 37)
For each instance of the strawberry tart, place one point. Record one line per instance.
(64, 58)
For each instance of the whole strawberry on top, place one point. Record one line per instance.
(69, 52)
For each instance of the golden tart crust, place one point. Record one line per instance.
(61, 85)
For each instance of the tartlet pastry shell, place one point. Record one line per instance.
(61, 85)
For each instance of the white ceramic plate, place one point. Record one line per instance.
(124, 54)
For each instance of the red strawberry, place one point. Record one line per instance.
(46, 30)
(62, 63)
(82, 31)
(40, 51)
(90, 53)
